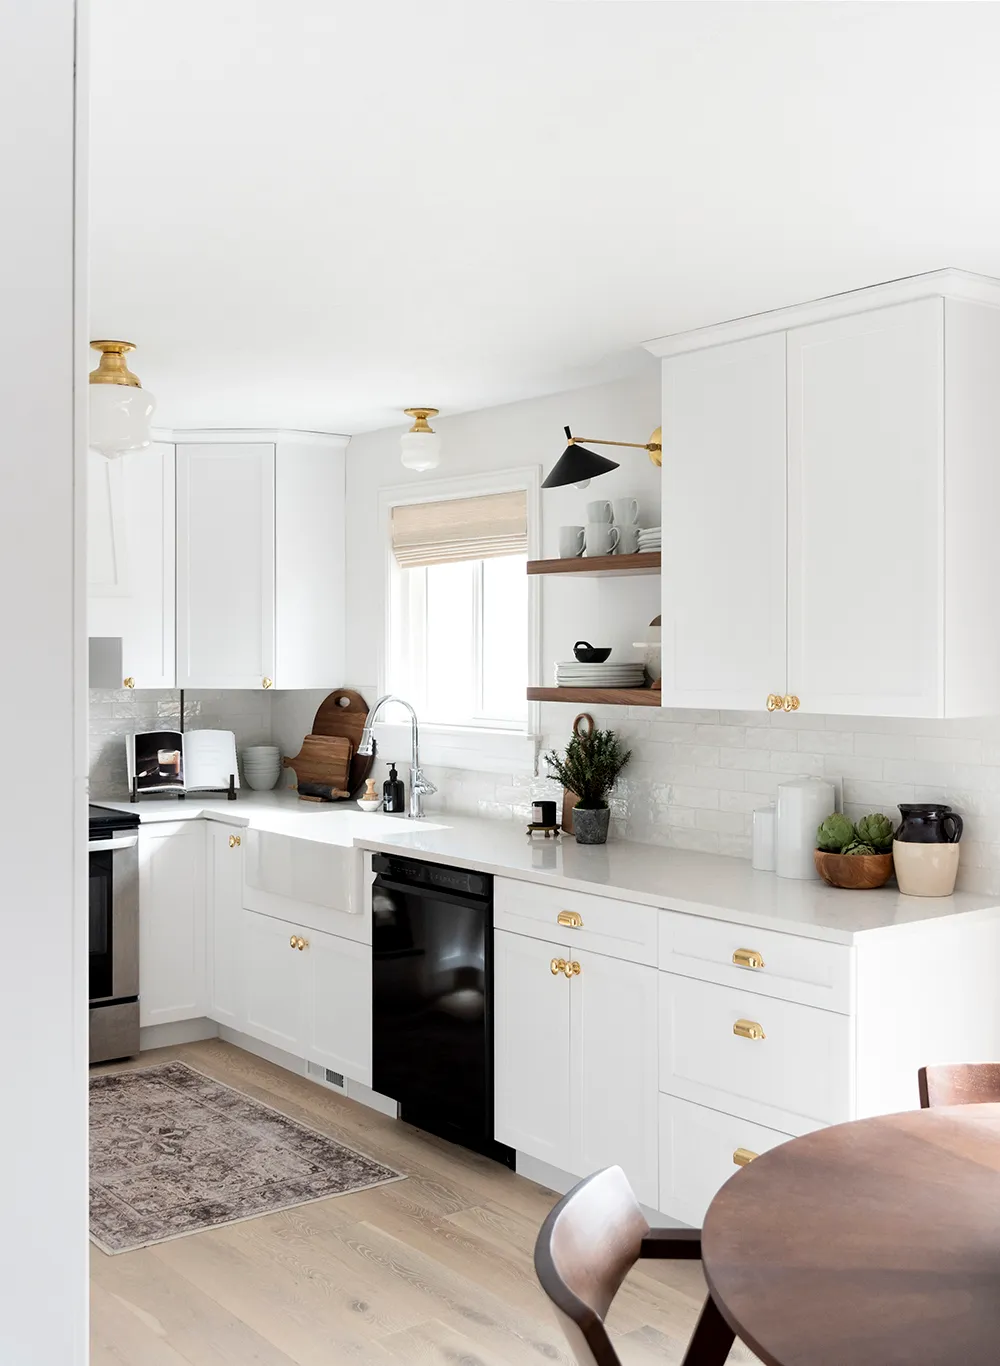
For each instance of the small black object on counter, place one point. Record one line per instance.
(393, 793)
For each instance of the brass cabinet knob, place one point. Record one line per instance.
(572, 969)
(301, 943)
(234, 841)
(557, 965)
(128, 682)
(266, 683)
(742, 1157)
(292, 942)
(748, 1029)
(775, 701)
(790, 703)
(747, 958)
(573, 920)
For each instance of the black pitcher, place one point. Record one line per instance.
(928, 823)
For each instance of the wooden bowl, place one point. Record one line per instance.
(859, 872)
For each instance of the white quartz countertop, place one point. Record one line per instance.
(675, 879)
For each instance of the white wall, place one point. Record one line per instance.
(43, 1011)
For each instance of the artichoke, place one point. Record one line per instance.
(835, 834)
(877, 831)
(858, 847)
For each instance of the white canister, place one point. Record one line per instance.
(763, 838)
(803, 804)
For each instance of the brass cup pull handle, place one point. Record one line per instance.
(775, 701)
(572, 969)
(557, 966)
(748, 1029)
(235, 841)
(742, 1157)
(747, 958)
(790, 703)
(572, 920)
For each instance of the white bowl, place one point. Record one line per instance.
(369, 805)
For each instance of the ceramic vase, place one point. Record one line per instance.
(590, 826)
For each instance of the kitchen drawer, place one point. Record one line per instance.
(799, 1076)
(699, 1151)
(809, 971)
(618, 929)
(306, 882)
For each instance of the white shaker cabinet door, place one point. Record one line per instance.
(171, 922)
(531, 1048)
(724, 525)
(225, 566)
(339, 995)
(275, 981)
(866, 513)
(225, 924)
(613, 1071)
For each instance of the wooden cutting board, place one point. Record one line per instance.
(570, 799)
(344, 713)
(324, 761)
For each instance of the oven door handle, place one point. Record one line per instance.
(103, 846)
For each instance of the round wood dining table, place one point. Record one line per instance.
(875, 1243)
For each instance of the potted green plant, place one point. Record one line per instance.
(589, 769)
(855, 856)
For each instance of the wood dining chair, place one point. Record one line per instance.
(586, 1247)
(959, 1083)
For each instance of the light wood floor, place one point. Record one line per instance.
(435, 1269)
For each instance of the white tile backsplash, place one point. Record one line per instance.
(694, 779)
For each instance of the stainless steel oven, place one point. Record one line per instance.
(114, 934)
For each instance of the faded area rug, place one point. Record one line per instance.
(174, 1152)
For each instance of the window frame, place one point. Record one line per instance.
(526, 478)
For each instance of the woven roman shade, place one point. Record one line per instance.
(460, 529)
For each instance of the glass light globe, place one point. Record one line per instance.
(420, 450)
(119, 418)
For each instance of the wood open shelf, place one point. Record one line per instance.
(600, 566)
(607, 697)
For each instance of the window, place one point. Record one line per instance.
(459, 610)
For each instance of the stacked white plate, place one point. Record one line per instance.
(261, 766)
(649, 538)
(573, 674)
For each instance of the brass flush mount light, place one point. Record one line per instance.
(577, 465)
(420, 447)
(120, 408)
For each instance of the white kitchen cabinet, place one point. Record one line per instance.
(829, 476)
(260, 561)
(613, 1070)
(130, 560)
(723, 522)
(224, 924)
(309, 993)
(531, 1049)
(575, 1059)
(866, 512)
(172, 982)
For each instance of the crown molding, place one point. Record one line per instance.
(208, 435)
(949, 284)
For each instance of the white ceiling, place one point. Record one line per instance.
(314, 213)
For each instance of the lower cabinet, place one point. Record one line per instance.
(700, 1149)
(308, 993)
(575, 1059)
(171, 922)
(226, 1003)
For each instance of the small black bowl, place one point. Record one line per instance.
(590, 654)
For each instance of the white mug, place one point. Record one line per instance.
(599, 511)
(628, 539)
(626, 511)
(570, 542)
(602, 538)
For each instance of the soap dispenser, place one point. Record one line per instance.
(393, 796)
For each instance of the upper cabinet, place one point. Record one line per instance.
(130, 561)
(828, 478)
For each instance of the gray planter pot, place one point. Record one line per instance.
(590, 826)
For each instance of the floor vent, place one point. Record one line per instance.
(326, 1076)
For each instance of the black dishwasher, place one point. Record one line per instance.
(432, 989)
